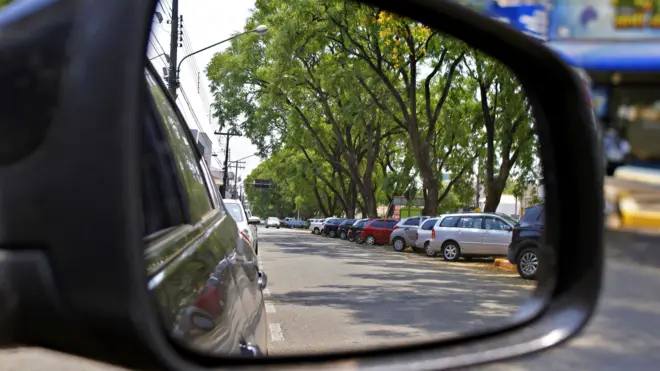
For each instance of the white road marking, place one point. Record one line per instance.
(270, 308)
(276, 332)
(266, 293)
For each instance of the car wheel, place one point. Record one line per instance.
(317, 231)
(528, 263)
(342, 235)
(427, 249)
(278, 227)
(370, 240)
(266, 227)
(450, 251)
(351, 238)
(332, 233)
(398, 244)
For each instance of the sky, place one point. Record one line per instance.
(205, 22)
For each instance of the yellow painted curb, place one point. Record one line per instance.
(503, 263)
(632, 215)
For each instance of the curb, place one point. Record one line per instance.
(503, 263)
(633, 214)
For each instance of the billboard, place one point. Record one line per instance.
(607, 20)
(531, 19)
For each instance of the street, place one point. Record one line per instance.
(328, 294)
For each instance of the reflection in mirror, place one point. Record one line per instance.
(398, 175)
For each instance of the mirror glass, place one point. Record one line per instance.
(397, 173)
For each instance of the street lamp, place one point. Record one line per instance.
(174, 75)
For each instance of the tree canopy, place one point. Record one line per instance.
(353, 105)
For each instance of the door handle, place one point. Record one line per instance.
(250, 350)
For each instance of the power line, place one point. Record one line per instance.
(192, 111)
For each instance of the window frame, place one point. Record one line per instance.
(373, 224)
(188, 134)
(419, 220)
(448, 217)
(431, 221)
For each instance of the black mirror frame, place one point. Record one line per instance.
(106, 310)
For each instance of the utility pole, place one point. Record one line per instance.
(174, 46)
(241, 163)
(225, 172)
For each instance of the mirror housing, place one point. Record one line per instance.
(254, 220)
(99, 112)
(508, 228)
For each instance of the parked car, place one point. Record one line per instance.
(355, 230)
(470, 235)
(342, 228)
(315, 225)
(273, 222)
(210, 250)
(330, 227)
(525, 243)
(246, 223)
(423, 235)
(404, 233)
(377, 231)
(293, 223)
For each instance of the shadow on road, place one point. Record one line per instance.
(403, 295)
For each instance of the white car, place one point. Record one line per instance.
(246, 224)
(273, 222)
(315, 225)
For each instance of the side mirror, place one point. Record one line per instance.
(254, 220)
(157, 251)
(508, 228)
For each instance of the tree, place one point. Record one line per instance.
(396, 50)
(507, 123)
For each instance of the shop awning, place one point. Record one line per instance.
(643, 56)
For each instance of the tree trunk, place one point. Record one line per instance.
(430, 199)
(494, 192)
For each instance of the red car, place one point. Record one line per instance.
(377, 231)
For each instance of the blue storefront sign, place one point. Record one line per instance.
(530, 19)
(605, 20)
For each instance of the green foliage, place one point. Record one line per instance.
(354, 105)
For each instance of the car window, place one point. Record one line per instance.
(378, 224)
(508, 218)
(449, 221)
(531, 214)
(470, 222)
(162, 191)
(199, 202)
(235, 211)
(391, 223)
(494, 224)
(412, 221)
(428, 224)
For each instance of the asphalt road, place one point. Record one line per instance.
(333, 296)
(328, 294)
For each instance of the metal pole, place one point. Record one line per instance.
(236, 180)
(174, 46)
(225, 175)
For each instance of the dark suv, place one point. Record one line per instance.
(526, 242)
(330, 227)
(342, 229)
